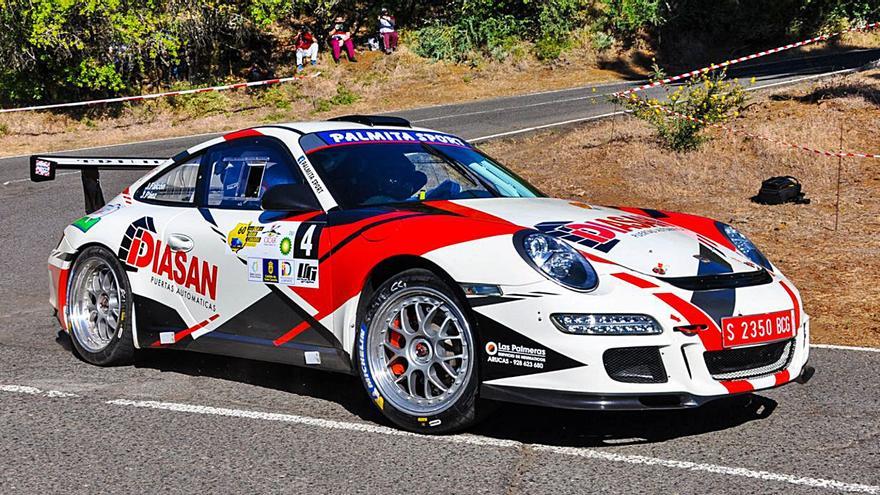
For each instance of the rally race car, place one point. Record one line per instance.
(406, 256)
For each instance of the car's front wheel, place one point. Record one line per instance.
(416, 354)
(99, 309)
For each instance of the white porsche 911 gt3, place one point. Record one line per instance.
(406, 256)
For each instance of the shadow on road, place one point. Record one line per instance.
(527, 424)
(595, 429)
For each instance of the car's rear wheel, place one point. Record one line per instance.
(98, 309)
(416, 354)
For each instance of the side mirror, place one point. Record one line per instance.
(291, 198)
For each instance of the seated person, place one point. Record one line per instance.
(340, 37)
(395, 181)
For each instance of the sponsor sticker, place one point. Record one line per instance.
(287, 270)
(306, 273)
(183, 274)
(355, 136)
(255, 270)
(290, 272)
(244, 235)
(270, 271)
(43, 168)
(516, 355)
(603, 233)
(286, 246)
(86, 223)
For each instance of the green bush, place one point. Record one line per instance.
(344, 96)
(628, 17)
(440, 42)
(602, 41)
(711, 99)
(202, 104)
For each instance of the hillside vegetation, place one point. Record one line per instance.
(63, 50)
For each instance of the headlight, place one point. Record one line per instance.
(556, 260)
(606, 324)
(745, 246)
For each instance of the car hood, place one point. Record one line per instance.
(640, 243)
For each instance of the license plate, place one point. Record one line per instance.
(755, 329)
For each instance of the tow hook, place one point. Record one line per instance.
(806, 374)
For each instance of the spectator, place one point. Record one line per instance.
(341, 37)
(306, 47)
(258, 72)
(388, 30)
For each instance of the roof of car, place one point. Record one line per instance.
(324, 125)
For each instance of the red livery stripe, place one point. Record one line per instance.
(782, 377)
(242, 134)
(59, 277)
(597, 259)
(184, 333)
(638, 282)
(711, 338)
(293, 332)
(738, 386)
(794, 301)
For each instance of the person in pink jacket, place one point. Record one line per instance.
(340, 37)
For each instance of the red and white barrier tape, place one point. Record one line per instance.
(732, 130)
(152, 96)
(728, 63)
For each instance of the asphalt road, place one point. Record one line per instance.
(191, 423)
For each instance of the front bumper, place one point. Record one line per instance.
(609, 402)
(525, 359)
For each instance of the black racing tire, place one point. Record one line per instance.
(461, 408)
(116, 347)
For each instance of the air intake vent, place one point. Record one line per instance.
(723, 281)
(635, 365)
(749, 362)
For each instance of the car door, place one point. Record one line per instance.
(268, 283)
(157, 257)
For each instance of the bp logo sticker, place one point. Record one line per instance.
(286, 246)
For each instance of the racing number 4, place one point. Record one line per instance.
(306, 243)
(308, 237)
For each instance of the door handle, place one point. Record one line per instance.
(180, 242)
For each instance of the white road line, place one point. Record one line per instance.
(57, 174)
(800, 79)
(177, 138)
(546, 126)
(22, 389)
(846, 347)
(504, 109)
(501, 443)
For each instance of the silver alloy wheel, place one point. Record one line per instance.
(94, 305)
(420, 351)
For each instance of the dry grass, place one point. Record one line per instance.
(837, 272)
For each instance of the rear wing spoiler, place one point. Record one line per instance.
(44, 168)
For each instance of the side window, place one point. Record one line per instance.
(177, 185)
(241, 171)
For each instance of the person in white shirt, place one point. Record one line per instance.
(388, 30)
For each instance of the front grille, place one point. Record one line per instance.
(749, 362)
(722, 281)
(635, 365)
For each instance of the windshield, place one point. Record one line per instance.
(379, 172)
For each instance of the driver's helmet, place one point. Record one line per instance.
(397, 178)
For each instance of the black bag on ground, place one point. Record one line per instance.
(779, 190)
